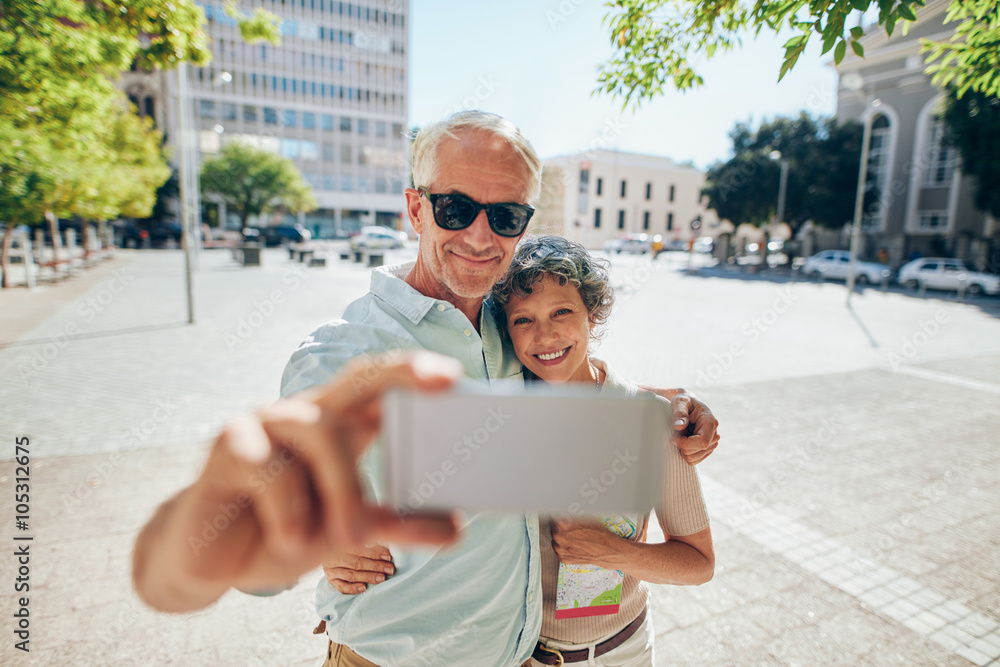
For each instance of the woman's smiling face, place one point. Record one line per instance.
(550, 329)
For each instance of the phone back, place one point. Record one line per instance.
(552, 450)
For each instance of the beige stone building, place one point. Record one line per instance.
(605, 194)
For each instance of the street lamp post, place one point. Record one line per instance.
(188, 185)
(782, 194)
(859, 200)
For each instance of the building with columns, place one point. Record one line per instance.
(332, 98)
(605, 194)
(925, 201)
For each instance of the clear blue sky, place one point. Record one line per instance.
(512, 59)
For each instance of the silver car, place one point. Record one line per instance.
(835, 264)
(947, 274)
(377, 238)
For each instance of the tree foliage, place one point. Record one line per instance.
(657, 42)
(822, 159)
(252, 181)
(972, 124)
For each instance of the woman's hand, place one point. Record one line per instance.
(587, 541)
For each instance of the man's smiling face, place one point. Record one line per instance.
(464, 264)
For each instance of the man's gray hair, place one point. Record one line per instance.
(537, 257)
(424, 162)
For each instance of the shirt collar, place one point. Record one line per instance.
(389, 286)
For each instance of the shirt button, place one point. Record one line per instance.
(440, 306)
(468, 332)
(531, 597)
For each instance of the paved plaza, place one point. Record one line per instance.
(855, 498)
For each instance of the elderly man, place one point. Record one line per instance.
(474, 603)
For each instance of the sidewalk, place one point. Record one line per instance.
(854, 499)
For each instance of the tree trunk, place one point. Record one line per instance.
(56, 241)
(8, 242)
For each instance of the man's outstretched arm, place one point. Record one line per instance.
(236, 527)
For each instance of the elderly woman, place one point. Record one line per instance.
(553, 299)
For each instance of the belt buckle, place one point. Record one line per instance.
(555, 652)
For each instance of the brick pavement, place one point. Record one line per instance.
(901, 485)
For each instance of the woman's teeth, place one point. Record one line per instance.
(552, 355)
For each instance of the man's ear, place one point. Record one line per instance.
(413, 206)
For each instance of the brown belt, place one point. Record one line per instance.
(552, 656)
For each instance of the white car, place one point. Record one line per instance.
(634, 243)
(836, 263)
(377, 238)
(947, 274)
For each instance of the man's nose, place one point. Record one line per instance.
(478, 234)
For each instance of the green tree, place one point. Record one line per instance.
(973, 127)
(822, 158)
(657, 41)
(252, 181)
(68, 143)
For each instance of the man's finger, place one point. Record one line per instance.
(367, 378)
(417, 528)
(347, 587)
(354, 576)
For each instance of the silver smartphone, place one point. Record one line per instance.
(550, 449)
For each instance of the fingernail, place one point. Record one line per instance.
(386, 557)
(379, 578)
(680, 422)
(388, 569)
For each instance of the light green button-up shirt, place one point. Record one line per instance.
(477, 602)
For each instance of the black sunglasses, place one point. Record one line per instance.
(454, 212)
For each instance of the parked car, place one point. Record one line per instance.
(285, 234)
(375, 238)
(835, 263)
(633, 243)
(947, 274)
(705, 244)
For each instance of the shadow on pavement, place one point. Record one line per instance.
(96, 334)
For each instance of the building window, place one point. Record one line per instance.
(270, 116)
(345, 124)
(148, 108)
(228, 111)
(933, 220)
(878, 170)
(941, 158)
(397, 186)
(326, 121)
(670, 198)
(623, 189)
(645, 219)
(649, 191)
(290, 148)
(584, 180)
(327, 153)
(600, 185)
(380, 130)
(670, 222)
(621, 217)
(346, 184)
(345, 156)
(364, 184)
(597, 218)
(206, 108)
(290, 117)
(380, 184)
(308, 120)
(309, 150)
(249, 113)
(363, 127)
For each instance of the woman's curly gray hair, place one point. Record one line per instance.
(566, 261)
